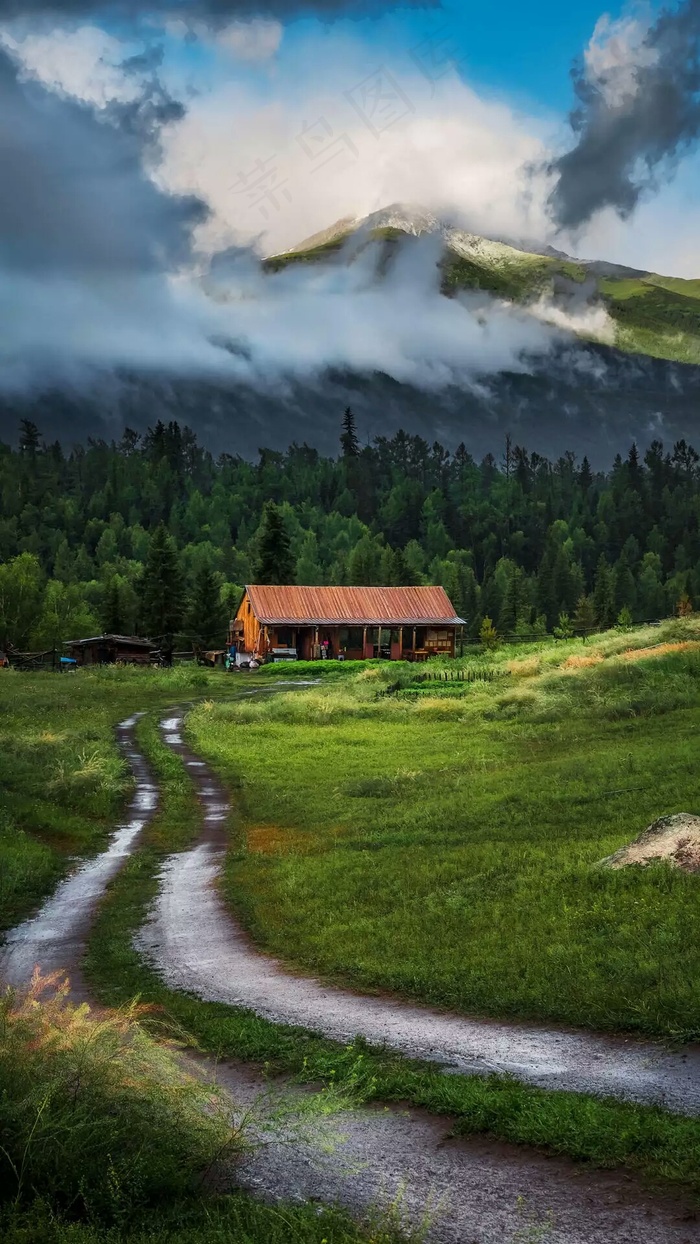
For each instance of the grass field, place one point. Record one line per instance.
(663, 1148)
(444, 846)
(62, 781)
(104, 1139)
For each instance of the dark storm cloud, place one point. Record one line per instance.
(73, 194)
(624, 140)
(215, 10)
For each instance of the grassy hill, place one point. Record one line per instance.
(648, 314)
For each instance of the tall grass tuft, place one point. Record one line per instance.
(97, 1119)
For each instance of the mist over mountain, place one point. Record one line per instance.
(418, 325)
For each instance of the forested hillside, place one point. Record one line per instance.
(153, 534)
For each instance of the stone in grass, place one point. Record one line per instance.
(674, 838)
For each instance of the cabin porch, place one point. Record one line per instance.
(356, 643)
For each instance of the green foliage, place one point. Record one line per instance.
(140, 1129)
(488, 634)
(564, 628)
(161, 589)
(20, 599)
(275, 563)
(152, 512)
(206, 617)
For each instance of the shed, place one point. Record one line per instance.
(110, 649)
(355, 623)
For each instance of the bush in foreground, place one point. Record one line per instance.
(96, 1118)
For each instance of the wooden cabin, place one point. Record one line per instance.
(110, 649)
(351, 623)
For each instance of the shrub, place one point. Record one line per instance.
(96, 1118)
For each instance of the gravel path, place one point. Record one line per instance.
(192, 941)
(54, 939)
(467, 1191)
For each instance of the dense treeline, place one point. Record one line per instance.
(151, 534)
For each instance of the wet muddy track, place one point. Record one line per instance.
(54, 939)
(194, 943)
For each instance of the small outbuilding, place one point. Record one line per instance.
(353, 623)
(112, 650)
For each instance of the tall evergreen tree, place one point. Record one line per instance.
(161, 589)
(206, 614)
(275, 562)
(112, 617)
(584, 620)
(349, 440)
(604, 594)
(29, 439)
(309, 571)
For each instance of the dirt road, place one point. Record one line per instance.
(54, 939)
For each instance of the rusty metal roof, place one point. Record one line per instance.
(352, 606)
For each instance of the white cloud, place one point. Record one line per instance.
(258, 40)
(616, 51)
(85, 63)
(285, 169)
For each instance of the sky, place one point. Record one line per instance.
(140, 147)
(480, 94)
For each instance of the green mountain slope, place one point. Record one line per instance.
(645, 313)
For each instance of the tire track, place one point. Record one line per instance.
(54, 939)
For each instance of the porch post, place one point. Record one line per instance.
(400, 643)
(364, 643)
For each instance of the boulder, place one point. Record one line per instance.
(674, 838)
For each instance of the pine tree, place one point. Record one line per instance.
(585, 476)
(161, 590)
(364, 564)
(275, 562)
(349, 440)
(206, 620)
(111, 614)
(394, 572)
(29, 438)
(513, 603)
(309, 571)
(604, 594)
(584, 619)
(564, 628)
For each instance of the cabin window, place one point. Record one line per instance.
(285, 637)
(351, 637)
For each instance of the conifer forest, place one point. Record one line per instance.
(154, 535)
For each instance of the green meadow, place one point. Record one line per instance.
(63, 783)
(435, 838)
(444, 844)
